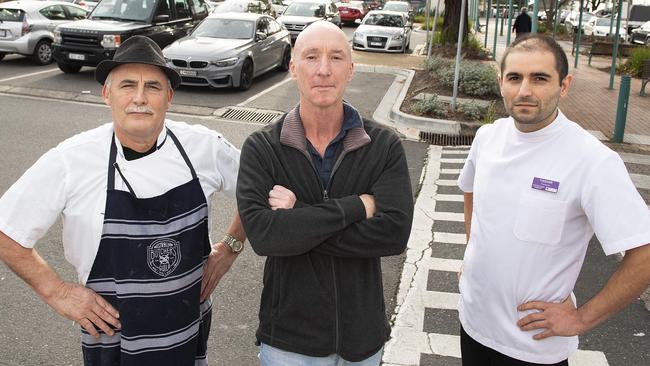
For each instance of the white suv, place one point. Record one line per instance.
(26, 27)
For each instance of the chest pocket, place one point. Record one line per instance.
(540, 220)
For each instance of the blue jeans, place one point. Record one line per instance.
(271, 356)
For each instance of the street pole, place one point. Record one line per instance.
(557, 17)
(458, 48)
(433, 29)
(575, 65)
(496, 30)
(611, 18)
(487, 21)
(621, 109)
(428, 40)
(509, 22)
(612, 71)
(535, 11)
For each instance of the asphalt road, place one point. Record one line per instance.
(33, 334)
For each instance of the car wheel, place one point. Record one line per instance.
(2, 55)
(43, 52)
(286, 57)
(246, 75)
(68, 68)
(647, 43)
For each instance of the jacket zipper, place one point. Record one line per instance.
(325, 198)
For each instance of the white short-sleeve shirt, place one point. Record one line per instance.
(71, 179)
(538, 199)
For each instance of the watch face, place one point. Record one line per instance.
(237, 246)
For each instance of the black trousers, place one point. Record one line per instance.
(476, 354)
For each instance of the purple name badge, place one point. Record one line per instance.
(545, 185)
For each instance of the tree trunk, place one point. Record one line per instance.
(451, 21)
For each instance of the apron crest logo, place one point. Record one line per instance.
(163, 256)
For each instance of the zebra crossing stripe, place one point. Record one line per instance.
(449, 197)
(447, 182)
(641, 181)
(452, 160)
(449, 171)
(449, 216)
(635, 158)
(450, 238)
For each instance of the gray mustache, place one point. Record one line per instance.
(139, 109)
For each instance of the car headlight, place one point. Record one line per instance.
(57, 36)
(111, 41)
(398, 37)
(225, 62)
(358, 36)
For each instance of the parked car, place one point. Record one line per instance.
(26, 27)
(230, 50)
(352, 11)
(86, 4)
(382, 30)
(87, 42)
(638, 15)
(571, 22)
(599, 27)
(278, 7)
(373, 4)
(401, 6)
(642, 34)
(302, 13)
(245, 6)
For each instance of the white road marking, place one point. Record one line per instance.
(267, 90)
(29, 75)
(635, 158)
(450, 197)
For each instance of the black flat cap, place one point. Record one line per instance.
(137, 50)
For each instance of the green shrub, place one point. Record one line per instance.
(478, 80)
(541, 27)
(436, 62)
(472, 110)
(474, 46)
(429, 26)
(445, 75)
(634, 64)
(490, 113)
(430, 105)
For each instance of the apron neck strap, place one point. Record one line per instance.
(112, 161)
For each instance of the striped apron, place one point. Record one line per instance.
(149, 266)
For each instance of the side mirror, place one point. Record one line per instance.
(161, 18)
(260, 36)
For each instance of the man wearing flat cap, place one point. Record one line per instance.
(134, 196)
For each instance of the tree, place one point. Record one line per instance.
(549, 6)
(451, 21)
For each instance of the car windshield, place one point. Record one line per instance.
(306, 10)
(233, 7)
(396, 7)
(135, 10)
(225, 28)
(11, 15)
(602, 21)
(384, 20)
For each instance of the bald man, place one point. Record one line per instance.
(324, 194)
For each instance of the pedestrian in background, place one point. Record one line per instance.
(134, 196)
(523, 24)
(537, 187)
(324, 194)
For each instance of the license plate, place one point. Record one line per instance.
(76, 56)
(344, 11)
(375, 44)
(187, 72)
(3, 33)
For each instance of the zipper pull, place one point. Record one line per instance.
(325, 196)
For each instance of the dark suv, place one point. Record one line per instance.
(87, 42)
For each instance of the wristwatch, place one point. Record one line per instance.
(235, 245)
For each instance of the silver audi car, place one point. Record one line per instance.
(230, 50)
(380, 30)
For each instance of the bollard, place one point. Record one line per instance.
(621, 109)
